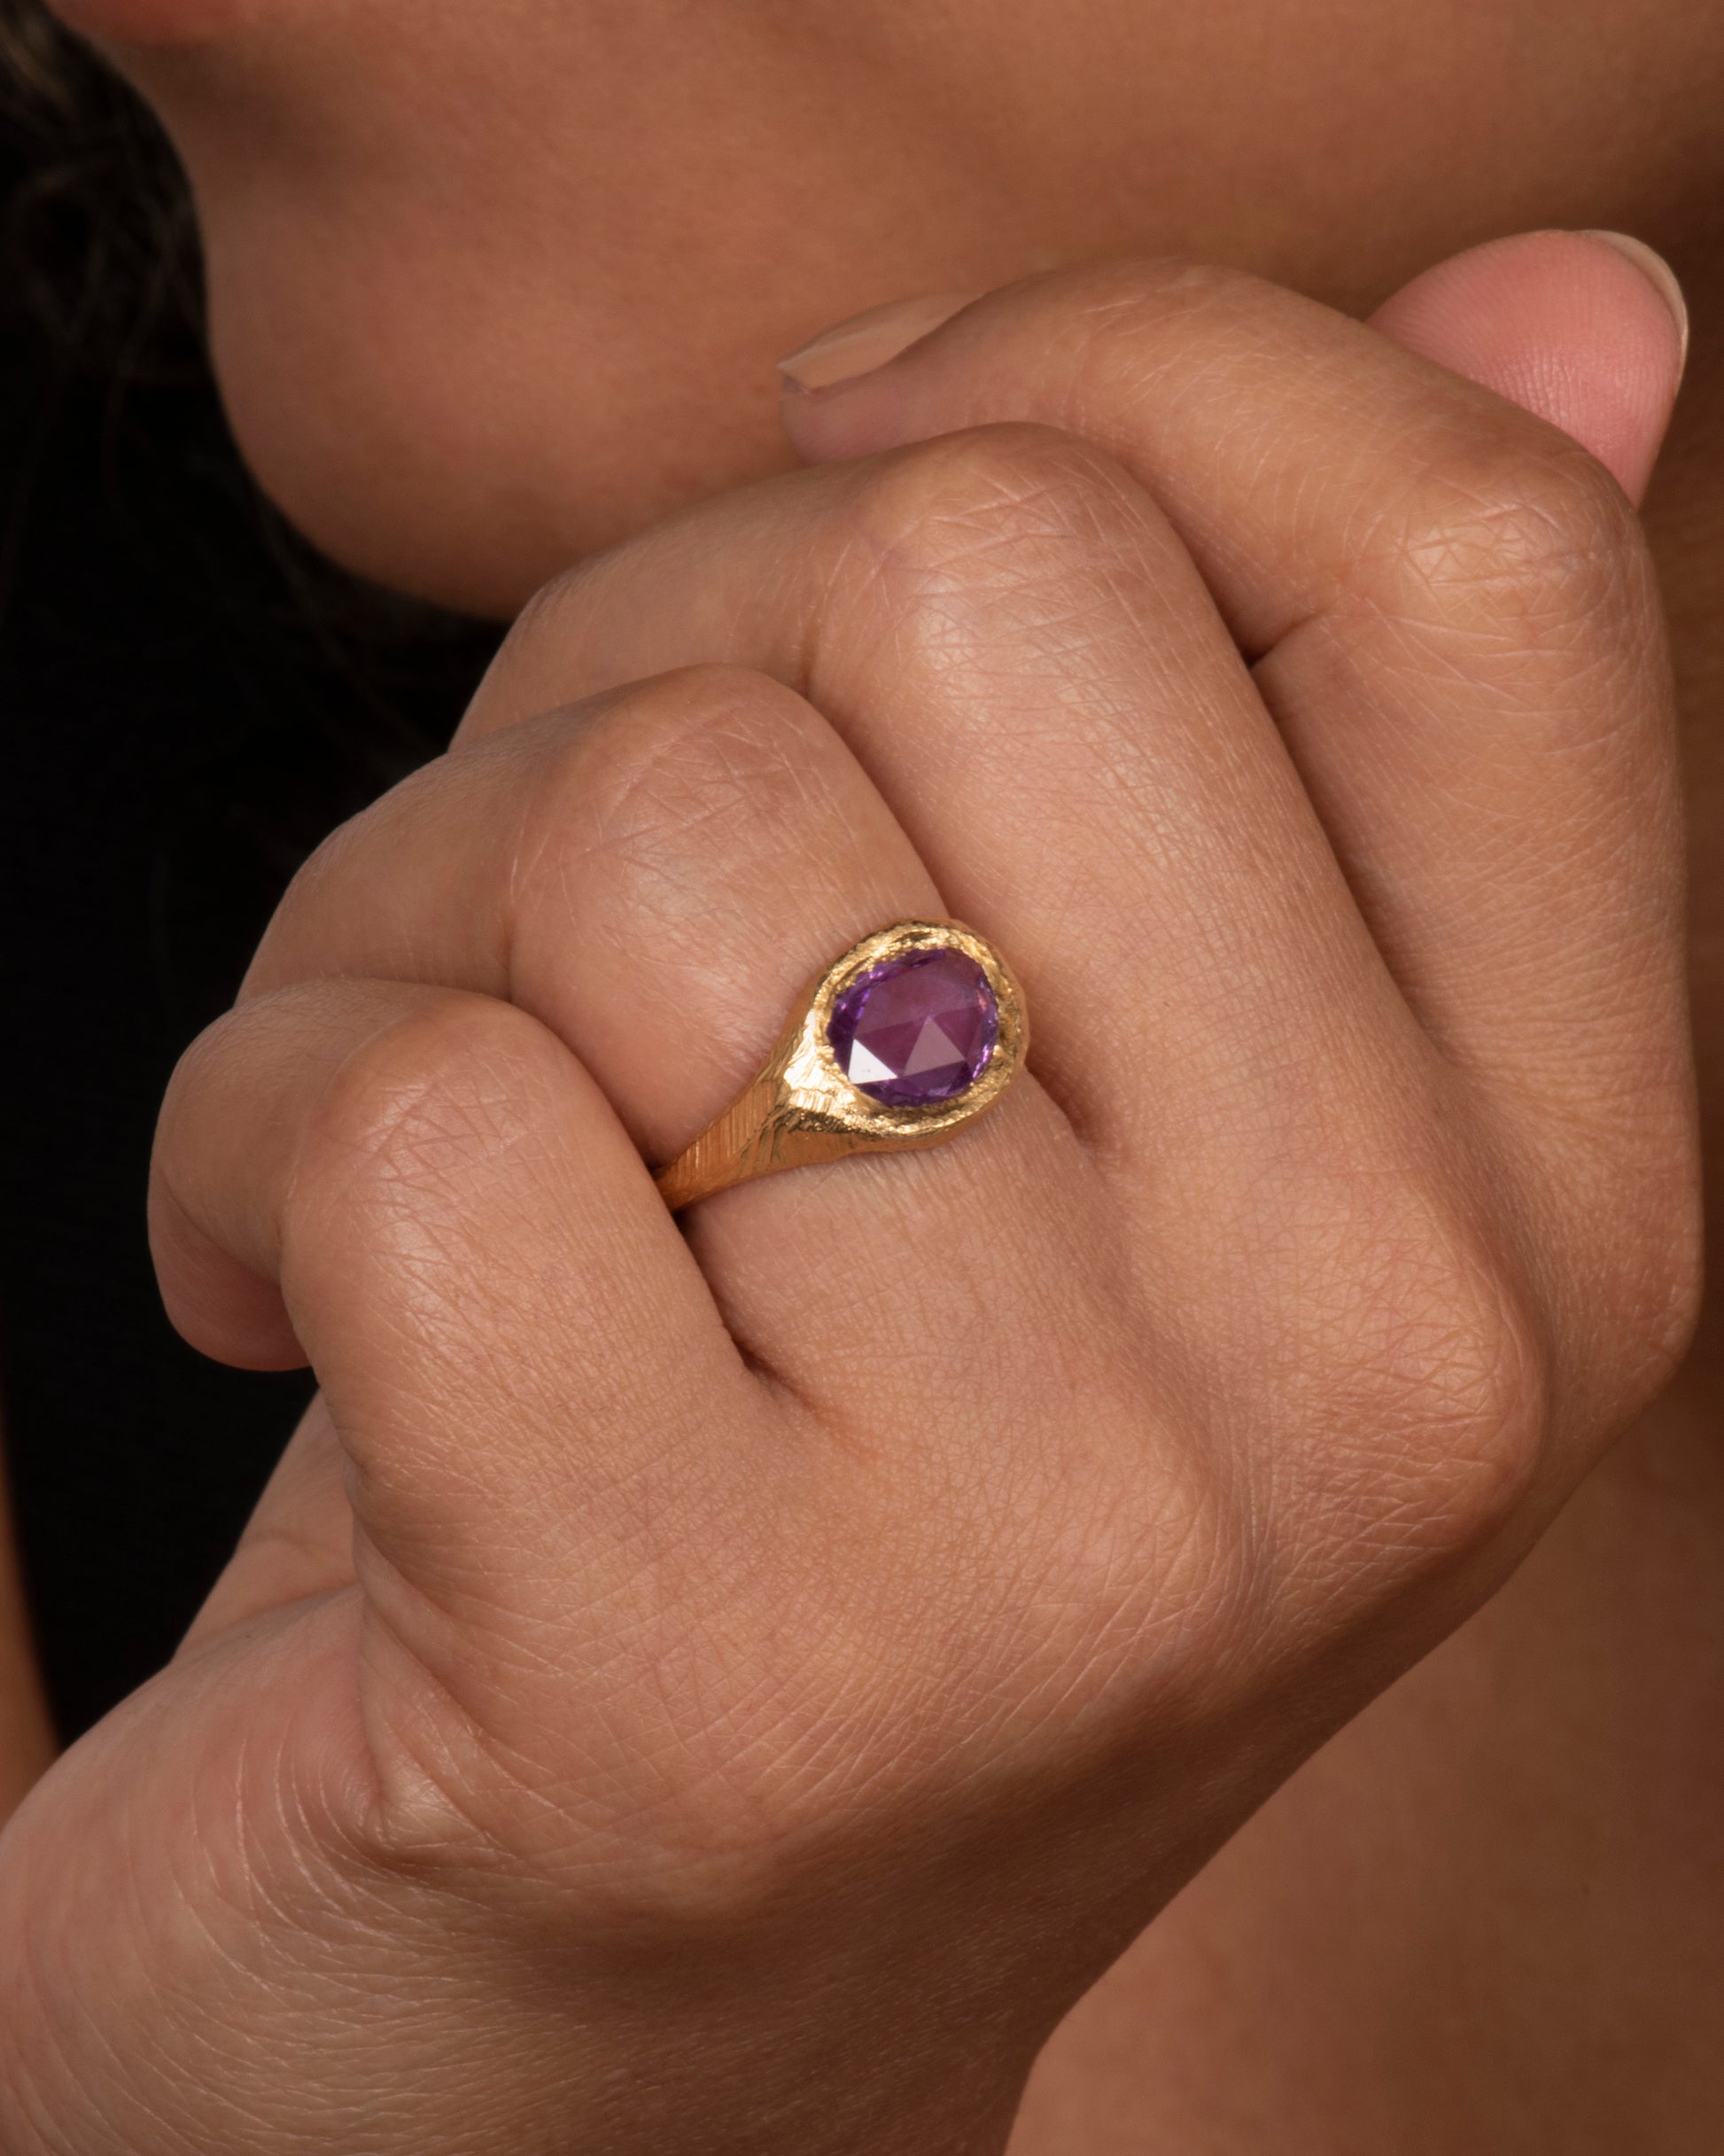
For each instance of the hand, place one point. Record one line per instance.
(732, 1688)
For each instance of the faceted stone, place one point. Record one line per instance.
(917, 1029)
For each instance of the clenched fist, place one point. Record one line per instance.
(729, 1683)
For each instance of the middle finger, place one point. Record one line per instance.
(1016, 644)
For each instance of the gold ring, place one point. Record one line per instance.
(903, 1042)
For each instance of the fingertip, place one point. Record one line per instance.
(843, 396)
(867, 341)
(1585, 330)
(1662, 278)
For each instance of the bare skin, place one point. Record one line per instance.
(1327, 1980)
(1522, 1839)
(493, 295)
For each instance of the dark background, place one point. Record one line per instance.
(188, 702)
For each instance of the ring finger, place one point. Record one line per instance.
(655, 877)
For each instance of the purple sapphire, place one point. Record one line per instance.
(917, 1029)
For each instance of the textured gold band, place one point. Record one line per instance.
(801, 1108)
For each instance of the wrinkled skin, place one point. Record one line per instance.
(475, 321)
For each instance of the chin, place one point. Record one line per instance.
(159, 24)
(460, 446)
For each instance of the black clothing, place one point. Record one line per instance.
(186, 707)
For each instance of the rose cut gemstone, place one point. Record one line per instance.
(914, 1030)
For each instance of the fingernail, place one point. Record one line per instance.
(867, 341)
(1658, 272)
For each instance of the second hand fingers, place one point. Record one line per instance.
(1021, 655)
(444, 1195)
(1446, 602)
(655, 877)
(1453, 618)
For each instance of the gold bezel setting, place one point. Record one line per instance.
(803, 1108)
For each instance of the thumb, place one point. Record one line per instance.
(1586, 329)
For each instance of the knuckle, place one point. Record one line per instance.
(201, 1065)
(678, 760)
(289, 948)
(1430, 1387)
(546, 616)
(1131, 304)
(999, 512)
(1526, 544)
(682, 795)
(570, 613)
(446, 1084)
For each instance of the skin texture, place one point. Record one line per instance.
(531, 337)
(580, 341)
(677, 1714)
